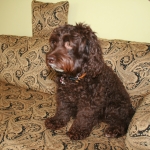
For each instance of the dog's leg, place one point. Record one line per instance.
(115, 130)
(82, 126)
(62, 116)
(118, 125)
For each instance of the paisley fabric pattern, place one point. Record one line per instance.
(47, 16)
(22, 115)
(27, 89)
(22, 63)
(131, 62)
(138, 136)
(24, 109)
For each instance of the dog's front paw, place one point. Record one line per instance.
(54, 124)
(114, 131)
(77, 134)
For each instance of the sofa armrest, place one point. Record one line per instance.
(138, 136)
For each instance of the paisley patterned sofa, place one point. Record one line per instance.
(27, 89)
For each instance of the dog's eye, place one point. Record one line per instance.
(53, 42)
(53, 39)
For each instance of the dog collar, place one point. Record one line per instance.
(75, 79)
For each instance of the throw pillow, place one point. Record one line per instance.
(47, 16)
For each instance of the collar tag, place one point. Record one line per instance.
(62, 80)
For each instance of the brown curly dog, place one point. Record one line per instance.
(87, 88)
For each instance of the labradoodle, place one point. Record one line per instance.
(87, 89)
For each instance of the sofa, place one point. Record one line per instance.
(27, 88)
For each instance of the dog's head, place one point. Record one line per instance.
(75, 50)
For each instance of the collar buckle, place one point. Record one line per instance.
(77, 79)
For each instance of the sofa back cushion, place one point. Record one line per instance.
(23, 63)
(131, 62)
(47, 16)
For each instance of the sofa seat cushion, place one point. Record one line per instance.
(22, 115)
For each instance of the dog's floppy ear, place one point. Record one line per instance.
(95, 62)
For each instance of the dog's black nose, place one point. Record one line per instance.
(50, 59)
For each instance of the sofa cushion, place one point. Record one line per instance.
(47, 16)
(22, 115)
(23, 63)
(138, 136)
(131, 62)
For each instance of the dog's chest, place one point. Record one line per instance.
(77, 89)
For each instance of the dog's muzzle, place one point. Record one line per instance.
(50, 62)
(55, 67)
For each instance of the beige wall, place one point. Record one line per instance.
(111, 19)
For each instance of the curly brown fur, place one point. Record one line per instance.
(98, 96)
